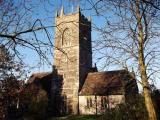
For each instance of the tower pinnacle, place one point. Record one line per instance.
(56, 14)
(62, 11)
(78, 8)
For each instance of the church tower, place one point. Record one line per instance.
(72, 54)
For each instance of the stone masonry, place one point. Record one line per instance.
(72, 54)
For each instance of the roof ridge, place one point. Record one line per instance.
(36, 73)
(107, 71)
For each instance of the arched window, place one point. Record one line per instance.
(66, 37)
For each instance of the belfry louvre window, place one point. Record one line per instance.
(89, 102)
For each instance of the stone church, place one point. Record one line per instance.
(83, 89)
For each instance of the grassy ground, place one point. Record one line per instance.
(77, 117)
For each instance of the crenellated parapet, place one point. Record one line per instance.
(61, 13)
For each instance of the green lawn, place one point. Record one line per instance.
(77, 117)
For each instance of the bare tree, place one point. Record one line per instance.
(20, 30)
(153, 3)
(130, 39)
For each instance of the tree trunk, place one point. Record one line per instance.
(149, 104)
(146, 89)
(145, 85)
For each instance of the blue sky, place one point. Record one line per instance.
(45, 12)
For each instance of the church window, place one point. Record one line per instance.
(66, 37)
(89, 102)
(104, 102)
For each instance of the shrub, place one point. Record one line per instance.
(37, 108)
(133, 109)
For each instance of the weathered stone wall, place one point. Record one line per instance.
(85, 48)
(97, 106)
(72, 48)
(66, 58)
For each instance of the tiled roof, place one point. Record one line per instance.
(36, 76)
(104, 83)
(42, 80)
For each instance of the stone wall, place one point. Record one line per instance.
(66, 60)
(69, 53)
(85, 48)
(97, 104)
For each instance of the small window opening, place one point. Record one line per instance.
(104, 102)
(89, 102)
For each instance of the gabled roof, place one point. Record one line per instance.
(106, 83)
(36, 76)
(42, 80)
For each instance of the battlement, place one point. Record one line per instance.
(61, 13)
